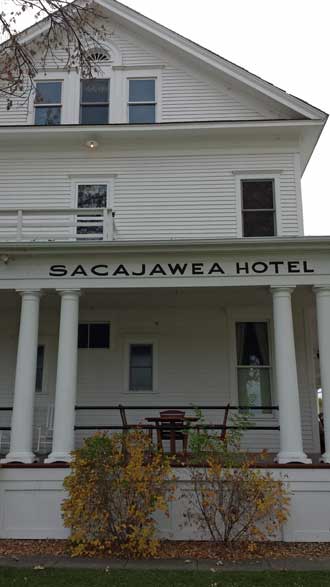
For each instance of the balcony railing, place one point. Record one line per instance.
(56, 224)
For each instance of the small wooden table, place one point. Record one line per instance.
(176, 428)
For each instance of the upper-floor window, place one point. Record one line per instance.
(94, 101)
(258, 207)
(48, 103)
(142, 101)
(91, 196)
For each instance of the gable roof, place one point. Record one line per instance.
(209, 58)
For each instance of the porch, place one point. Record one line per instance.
(194, 335)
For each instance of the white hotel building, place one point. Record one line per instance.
(152, 254)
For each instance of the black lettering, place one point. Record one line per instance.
(293, 267)
(96, 270)
(197, 268)
(121, 270)
(79, 270)
(142, 272)
(58, 271)
(276, 265)
(259, 267)
(241, 269)
(216, 268)
(177, 268)
(306, 270)
(157, 270)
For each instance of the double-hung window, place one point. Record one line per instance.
(91, 196)
(258, 207)
(253, 365)
(141, 367)
(48, 103)
(142, 101)
(94, 101)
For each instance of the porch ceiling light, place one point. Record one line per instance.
(92, 145)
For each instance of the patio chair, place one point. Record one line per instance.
(171, 427)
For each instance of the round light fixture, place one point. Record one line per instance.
(92, 145)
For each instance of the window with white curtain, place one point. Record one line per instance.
(253, 365)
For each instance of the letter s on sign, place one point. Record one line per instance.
(58, 271)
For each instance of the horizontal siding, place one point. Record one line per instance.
(156, 196)
(186, 95)
(195, 362)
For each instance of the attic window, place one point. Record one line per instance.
(98, 56)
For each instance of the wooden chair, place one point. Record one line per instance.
(171, 427)
(223, 434)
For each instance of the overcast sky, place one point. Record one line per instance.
(286, 42)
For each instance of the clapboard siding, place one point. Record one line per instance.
(156, 195)
(186, 93)
(185, 97)
(195, 360)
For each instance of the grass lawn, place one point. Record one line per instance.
(90, 578)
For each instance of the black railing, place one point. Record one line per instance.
(125, 426)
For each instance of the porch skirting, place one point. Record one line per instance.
(30, 504)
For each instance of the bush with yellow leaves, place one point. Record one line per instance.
(232, 498)
(115, 486)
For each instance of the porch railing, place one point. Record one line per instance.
(56, 224)
(199, 426)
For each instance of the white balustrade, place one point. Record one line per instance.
(56, 224)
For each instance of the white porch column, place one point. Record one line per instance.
(323, 326)
(66, 381)
(291, 446)
(25, 381)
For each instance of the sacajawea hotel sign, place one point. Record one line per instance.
(181, 269)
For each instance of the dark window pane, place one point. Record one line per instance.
(142, 90)
(141, 379)
(40, 368)
(47, 115)
(258, 194)
(95, 90)
(140, 373)
(258, 223)
(94, 114)
(142, 114)
(48, 93)
(141, 355)
(252, 343)
(92, 196)
(99, 336)
(83, 336)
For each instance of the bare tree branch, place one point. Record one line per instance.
(72, 30)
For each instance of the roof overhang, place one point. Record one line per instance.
(303, 133)
(238, 245)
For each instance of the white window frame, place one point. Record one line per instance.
(104, 74)
(258, 175)
(87, 179)
(68, 95)
(148, 340)
(251, 315)
(143, 74)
